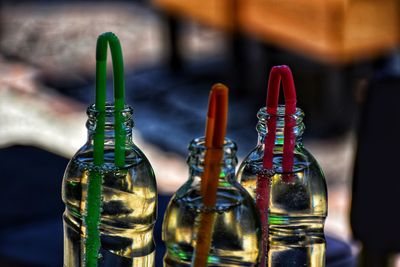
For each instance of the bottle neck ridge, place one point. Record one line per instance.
(97, 119)
(294, 121)
(197, 151)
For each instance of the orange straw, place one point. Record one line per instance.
(214, 142)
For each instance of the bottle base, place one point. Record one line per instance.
(213, 262)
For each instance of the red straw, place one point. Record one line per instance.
(277, 74)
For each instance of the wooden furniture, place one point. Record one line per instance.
(332, 31)
(215, 13)
(329, 31)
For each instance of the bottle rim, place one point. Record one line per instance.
(262, 113)
(109, 110)
(198, 144)
(281, 119)
(109, 118)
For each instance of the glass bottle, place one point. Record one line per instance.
(297, 200)
(236, 234)
(128, 199)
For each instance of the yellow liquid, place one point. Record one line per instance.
(127, 217)
(297, 212)
(236, 231)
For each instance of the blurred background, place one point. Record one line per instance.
(345, 59)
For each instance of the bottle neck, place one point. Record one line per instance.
(96, 120)
(295, 122)
(197, 151)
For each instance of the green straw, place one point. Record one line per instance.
(119, 91)
(92, 217)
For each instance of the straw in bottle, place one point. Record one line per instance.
(214, 142)
(278, 74)
(93, 201)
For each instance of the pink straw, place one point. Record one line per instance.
(277, 74)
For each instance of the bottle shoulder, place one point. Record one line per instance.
(129, 193)
(230, 195)
(136, 175)
(303, 159)
(134, 158)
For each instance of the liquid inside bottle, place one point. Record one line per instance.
(297, 200)
(236, 232)
(128, 202)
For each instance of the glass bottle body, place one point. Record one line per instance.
(297, 200)
(128, 202)
(236, 232)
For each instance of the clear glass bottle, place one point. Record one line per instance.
(297, 200)
(236, 236)
(128, 203)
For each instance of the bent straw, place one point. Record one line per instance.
(277, 74)
(214, 142)
(92, 217)
(119, 89)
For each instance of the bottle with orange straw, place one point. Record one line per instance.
(286, 181)
(109, 188)
(212, 220)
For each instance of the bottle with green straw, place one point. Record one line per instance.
(212, 220)
(109, 188)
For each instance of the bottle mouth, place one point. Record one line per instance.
(109, 109)
(199, 145)
(109, 116)
(197, 151)
(280, 117)
(262, 114)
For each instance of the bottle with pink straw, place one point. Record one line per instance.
(286, 181)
